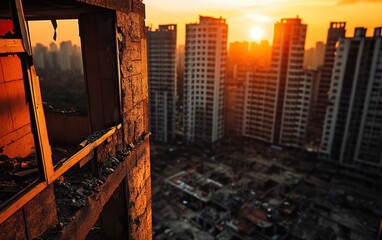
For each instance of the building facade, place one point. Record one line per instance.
(69, 173)
(292, 97)
(271, 103)
(336, 31)
(161, 48)
(352, 135)
(314, 57)
(204, 78)
(259, 105)
(239, 63)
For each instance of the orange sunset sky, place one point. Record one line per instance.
(243, 16)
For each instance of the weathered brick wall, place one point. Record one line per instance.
(133, 60)
(139, 194)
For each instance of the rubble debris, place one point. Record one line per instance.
(16, 174)
(96, 135)
(72, 191)
(50, 108)
(60, 154)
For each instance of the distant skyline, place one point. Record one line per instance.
(55, 42)
(243, 16)
(43, 31)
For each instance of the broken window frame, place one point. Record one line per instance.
(22, 47)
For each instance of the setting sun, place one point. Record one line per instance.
(257, 33)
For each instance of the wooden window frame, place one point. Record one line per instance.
(21, 46)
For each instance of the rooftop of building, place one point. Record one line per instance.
(296, 20)
(207, 20)
(163, 28)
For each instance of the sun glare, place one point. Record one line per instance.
(257, 33)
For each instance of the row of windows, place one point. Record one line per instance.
(199, 76)
(209, 59)
(200, 29)
(210, 35)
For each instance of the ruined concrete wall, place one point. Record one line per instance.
(16, 139)
(133, 60)
(132, 176)
(130, 17)
(134, 171)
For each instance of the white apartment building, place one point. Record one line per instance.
(204, 77)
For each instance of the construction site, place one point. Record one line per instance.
(250, 190)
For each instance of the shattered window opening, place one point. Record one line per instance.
(60, 70)
(102, 85)
(81, 73)
(59, 66)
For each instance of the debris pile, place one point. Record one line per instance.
(49, 108)
(73, 188)
(16, 174)
(71, 193)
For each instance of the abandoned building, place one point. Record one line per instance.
(66, 175)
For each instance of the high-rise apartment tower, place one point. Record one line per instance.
(335, 32)
(352, 134)
(204, 77)
(161, 46)
(273, 102)
(293, 86)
